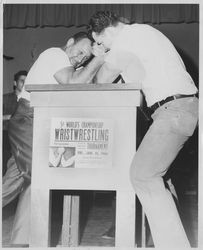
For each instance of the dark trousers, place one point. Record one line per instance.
(18, 176)
(20, 133)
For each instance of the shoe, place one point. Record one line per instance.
(110, 234)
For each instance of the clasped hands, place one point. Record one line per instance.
(99, 49)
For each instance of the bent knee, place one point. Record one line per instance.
(144, 181)
(139, 174)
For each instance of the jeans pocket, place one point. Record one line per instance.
(184, 123)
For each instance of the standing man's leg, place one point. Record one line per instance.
(160, 146)
(21, 135)
(21, 226)
(12, 182)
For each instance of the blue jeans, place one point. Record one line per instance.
(173, 123)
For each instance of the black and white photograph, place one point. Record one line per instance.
(101, 124)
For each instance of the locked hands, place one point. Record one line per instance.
(98, 50)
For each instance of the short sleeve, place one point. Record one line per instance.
(132, 70)
(56, 59)
(48, 63)
(119, 59)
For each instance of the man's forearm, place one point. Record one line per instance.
(106, 74)
(87, 73)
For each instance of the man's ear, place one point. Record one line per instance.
(70, 42)
(94, 35)
(14, 83)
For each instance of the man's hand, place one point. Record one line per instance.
(98, 50)
(69, 75)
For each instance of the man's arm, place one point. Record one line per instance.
(69, 75)
(117, 62)
(106, 74)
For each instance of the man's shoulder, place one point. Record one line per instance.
(52, 50)
(139, 27)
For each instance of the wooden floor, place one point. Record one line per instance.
(97, 219)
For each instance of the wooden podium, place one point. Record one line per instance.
(116, 102)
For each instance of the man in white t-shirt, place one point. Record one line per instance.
(58, 65)
(53, 66)
(143, 54)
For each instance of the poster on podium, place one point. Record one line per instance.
(81, 143)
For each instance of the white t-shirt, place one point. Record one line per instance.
(145, 55)
(42, 71)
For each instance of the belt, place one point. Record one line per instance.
(168, 99)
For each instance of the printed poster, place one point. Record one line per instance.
(81, 143)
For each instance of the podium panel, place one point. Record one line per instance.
(116, 104)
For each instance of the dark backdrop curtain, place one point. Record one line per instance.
(34, 15)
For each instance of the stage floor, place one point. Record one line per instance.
(97, 219)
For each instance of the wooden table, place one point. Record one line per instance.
(115, 102)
